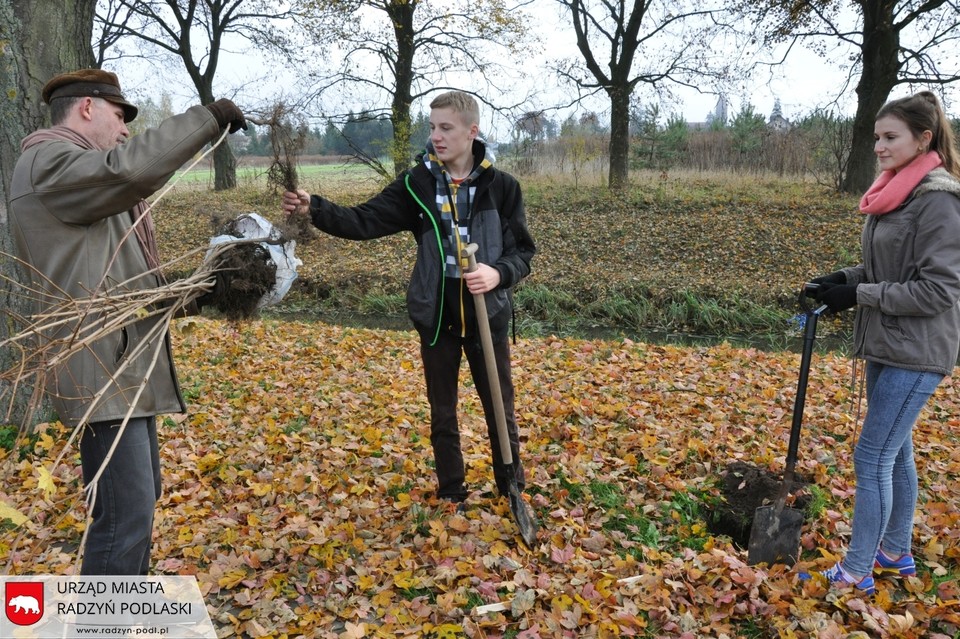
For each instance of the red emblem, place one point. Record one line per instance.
(23, 602)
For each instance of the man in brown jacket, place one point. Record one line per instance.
(80, 225)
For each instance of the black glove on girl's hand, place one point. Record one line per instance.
(837, 297)
(837, 277)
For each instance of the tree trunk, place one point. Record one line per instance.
(619, 137)
(401, 14)
(402, 148)
(224, 168)
(881, 66)
(224, 162)
(41, 38)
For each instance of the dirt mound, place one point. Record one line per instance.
(746, 488)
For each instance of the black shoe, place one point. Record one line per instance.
(459, 502)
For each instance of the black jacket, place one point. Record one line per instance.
(498, 226)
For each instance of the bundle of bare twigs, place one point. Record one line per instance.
(225, 267)
(66, 326)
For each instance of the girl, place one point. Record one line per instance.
(907, 327)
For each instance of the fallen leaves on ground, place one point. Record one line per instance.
(298, 490)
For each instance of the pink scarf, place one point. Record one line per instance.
(144, 229)
(892, 188)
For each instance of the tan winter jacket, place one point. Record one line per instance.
(71, 223)
(909, 282)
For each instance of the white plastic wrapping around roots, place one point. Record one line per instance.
(252, 226)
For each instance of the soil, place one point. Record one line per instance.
(245, 273)
(298, 227)
(745, 488)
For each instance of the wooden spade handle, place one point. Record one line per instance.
(486, 341)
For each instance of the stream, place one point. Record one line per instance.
(790, 340)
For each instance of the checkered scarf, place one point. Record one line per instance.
(454, 201)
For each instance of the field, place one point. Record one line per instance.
(298, 488)
(690, 255)
(252, 171)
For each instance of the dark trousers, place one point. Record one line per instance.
(120, 535)
(441, 365)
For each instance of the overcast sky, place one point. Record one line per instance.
(804, 83)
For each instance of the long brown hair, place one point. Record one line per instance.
(923, 112)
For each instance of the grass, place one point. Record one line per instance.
(544, 307)
(295, 426)
(680, 523)
(575, 492)
(379, 303)
(635, 528)
(399, 488)
(819, 502)
(253, 174)
(606, 495)
(749, 628)
(718, 256)
(622, 310)
(474, 599)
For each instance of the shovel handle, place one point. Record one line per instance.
(468, 256)
(809, 336)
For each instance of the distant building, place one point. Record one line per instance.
(720, 116)
(776, 121)
(717, 116)
(719, 112)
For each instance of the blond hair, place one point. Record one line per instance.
(460, 102)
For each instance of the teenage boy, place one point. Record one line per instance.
(453, 196)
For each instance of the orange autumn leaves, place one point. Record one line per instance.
(298, 491)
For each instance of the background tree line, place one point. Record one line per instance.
(396, 53)
(816, 145)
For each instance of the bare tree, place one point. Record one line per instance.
(532, 125)
(413, 43)
(40, 39)
(194, 32)
(625, 44)
(891, 42)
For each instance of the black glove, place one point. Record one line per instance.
(228, 114)
(837, 297)
(837, 277)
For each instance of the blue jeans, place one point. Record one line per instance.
(886, 474)
(121, 532)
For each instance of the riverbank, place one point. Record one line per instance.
(686, 257)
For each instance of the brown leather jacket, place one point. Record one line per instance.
(70, 216)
